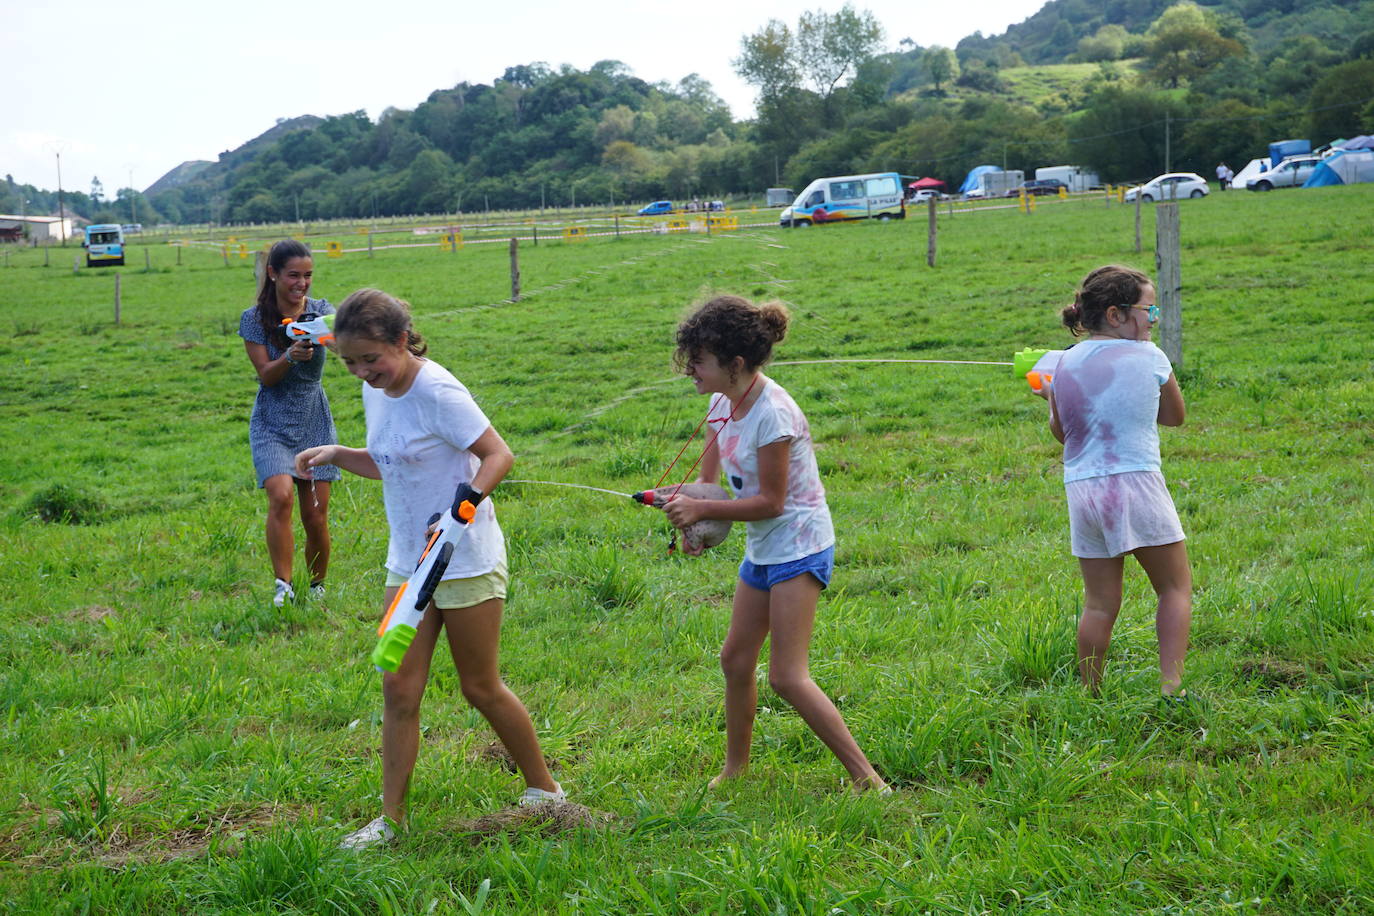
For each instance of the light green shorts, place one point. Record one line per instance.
(459, 593)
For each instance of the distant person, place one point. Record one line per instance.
(1107, 396)
(764, 446)
(426, 440)
(1224, 175)
(290, 413)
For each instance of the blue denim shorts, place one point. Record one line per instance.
(821, 565)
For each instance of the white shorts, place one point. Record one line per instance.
(1111, 516)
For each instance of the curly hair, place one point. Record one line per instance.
(1101, 289)
(375, 315)
(730, 326)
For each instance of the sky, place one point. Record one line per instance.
(126, 90)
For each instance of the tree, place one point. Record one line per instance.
(1338, 101)
(1107, 43)
(1185, 42)
(831, 46)
(943, 66)
(767, 62)
(97, 190)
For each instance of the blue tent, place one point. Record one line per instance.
(1347, 166)
(1365, 142)
(972, 181)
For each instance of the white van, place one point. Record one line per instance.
(844, 197)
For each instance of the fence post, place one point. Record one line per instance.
(116, 300)
(45, 255)
(369, 242)
(1169, 283)
(535, 227)
(147, 261)
(930, 233)
(514, 271)
(179, 247)
(76, 264)
(617, 225)
(1137, 222)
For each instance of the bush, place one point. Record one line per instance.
(65, 504)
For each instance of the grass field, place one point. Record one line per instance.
(174, 744)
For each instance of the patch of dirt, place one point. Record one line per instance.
(1274, 672)
(93, 614)
(142, 848)
(496, 753)
(547, 819)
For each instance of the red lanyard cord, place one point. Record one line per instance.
(720, 429)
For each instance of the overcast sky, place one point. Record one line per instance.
(129, 89)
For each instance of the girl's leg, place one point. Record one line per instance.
(1101, 604)
(401, 694)
(1172, 578)
(792, 614)
(314, 503)
(739, 660)
(474, 636)
(281, 542)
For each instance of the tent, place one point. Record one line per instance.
(972, 182)
(1252, 168)
(1347, 166)
(920, 183)
(1365, 142)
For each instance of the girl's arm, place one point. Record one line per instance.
(768, 503)
(271, 371)
(496, 460)
(1056, 428)
(1171, 409)
(356, 460)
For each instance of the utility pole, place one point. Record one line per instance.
(133, 204)
(61, 205)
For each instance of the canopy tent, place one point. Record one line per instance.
(1365, 142)
(972, 181)
(920, 183)
(1252, 168)
(1346, 166)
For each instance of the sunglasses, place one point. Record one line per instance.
(1152, 312)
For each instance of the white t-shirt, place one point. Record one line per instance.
(420, 443)
(804, 527)
(1107, 395)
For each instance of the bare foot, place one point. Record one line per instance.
(726, 775)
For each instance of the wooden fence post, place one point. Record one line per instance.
(116, 300)
(1169, 283)
(1137, 221)
(147, 260)
(930, 233)
(514, 271)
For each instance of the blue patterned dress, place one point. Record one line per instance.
(293, 414)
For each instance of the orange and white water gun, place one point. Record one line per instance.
(407, 608)
(1036, 366)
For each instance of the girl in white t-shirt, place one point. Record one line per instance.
(427, 440)
(1107, 398)
(764, 447)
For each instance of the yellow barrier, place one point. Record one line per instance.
(574, 233)
(361, 230)
(1063, 193)
(677, 225)
(334, 249)
(451, 241)
(722, 222)
(1121, 194)
(243, 250)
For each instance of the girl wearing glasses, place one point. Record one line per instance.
(1109, 395)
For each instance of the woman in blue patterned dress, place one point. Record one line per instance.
(290, 414)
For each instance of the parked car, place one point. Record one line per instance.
(923, 195)
(1171, 186)
(657, 208)
(1038, 187)
(1290, 173)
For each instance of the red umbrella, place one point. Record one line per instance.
(920, 183)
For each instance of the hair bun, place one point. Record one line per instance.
(775, 319)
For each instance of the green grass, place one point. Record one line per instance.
(173, 744)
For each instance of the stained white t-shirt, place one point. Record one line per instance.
(420, 443)
(804, 527)
(1107, 395)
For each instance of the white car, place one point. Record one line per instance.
(1290, 173)
(923, 195)
(1173, 186)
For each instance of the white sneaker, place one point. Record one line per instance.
(535, 796)
(377, 831)
(284, 593)
(316, 592)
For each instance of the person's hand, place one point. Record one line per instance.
(312, 458)
(301, 351)
(683, 510)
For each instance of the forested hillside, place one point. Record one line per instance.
(1131, 87)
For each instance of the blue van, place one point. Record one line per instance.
(831, 200)
(657, 208)
(104, 245)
